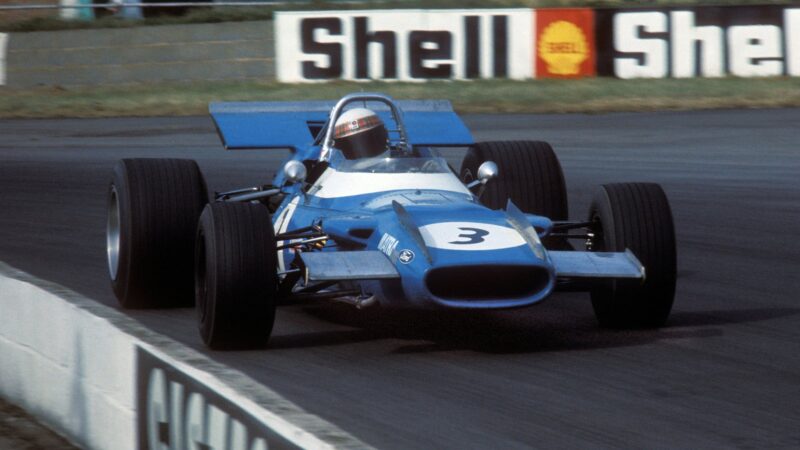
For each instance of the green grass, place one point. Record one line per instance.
(595, 95)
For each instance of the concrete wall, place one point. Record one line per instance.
(226, 51)
(56, 365)
(78, 367)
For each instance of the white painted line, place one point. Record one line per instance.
(3, 48)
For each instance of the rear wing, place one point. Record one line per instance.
(293, 125)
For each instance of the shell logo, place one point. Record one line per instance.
(563, 46)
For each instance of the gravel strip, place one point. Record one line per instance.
(20, 431)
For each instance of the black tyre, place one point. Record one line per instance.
(153, 207)
(236, 279)
(529, 174)
(635, 216)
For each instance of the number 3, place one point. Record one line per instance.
(473, 238)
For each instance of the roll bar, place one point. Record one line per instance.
(327, 141)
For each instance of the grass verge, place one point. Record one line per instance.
(591, 95)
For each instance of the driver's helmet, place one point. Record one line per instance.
(360, 133)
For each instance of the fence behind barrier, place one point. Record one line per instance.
(227, 51)
(419, 45)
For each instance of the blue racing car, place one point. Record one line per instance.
(365, 211)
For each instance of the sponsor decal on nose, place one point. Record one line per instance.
(406, 256)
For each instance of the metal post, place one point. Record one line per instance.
(130, 10)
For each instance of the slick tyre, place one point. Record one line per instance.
(635, 216)
(236, 280)
(153, 207)
(528, 173)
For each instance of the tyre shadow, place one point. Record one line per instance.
(541, 329)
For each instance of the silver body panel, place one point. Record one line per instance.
(570, 264)
(348, 265)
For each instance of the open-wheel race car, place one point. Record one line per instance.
(366, 212)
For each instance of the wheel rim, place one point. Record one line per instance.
(113, 234)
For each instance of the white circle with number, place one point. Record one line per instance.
(470, 236)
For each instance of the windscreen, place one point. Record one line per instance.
(393, 165)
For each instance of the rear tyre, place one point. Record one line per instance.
(236, 280)
(153, 207)
(529, 174)
(635, 216)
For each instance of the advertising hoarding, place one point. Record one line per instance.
(742, 41)
(404, 45)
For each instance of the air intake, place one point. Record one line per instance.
(486, 282)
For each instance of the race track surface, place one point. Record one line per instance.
(725, 372)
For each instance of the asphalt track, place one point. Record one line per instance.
(725, 372)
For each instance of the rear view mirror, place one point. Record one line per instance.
(487, 171)
(295, 171)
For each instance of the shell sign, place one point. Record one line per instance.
(565, 43)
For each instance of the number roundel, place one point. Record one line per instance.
(470, 236)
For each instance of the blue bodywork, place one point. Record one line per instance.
(361, 222)
(255, 125)
(448, 249)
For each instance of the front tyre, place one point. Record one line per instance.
(236, 280)
(153, 207)
(635, 216)
(529, 174)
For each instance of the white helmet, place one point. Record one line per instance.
(360, 133)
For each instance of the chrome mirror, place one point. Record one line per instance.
(487, 171)
(295, 171)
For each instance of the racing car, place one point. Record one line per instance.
(365, 211)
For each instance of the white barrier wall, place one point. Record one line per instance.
(103, 381)
(66, 366)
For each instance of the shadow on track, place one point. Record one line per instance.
(517, 331)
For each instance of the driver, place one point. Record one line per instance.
(360, 133)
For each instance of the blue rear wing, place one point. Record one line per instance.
(294, 125)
